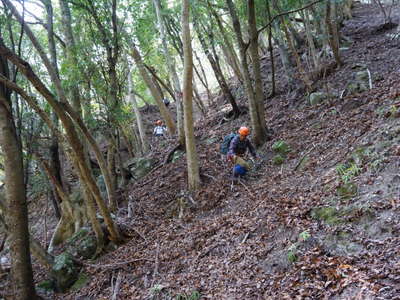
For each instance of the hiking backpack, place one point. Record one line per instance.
(224, 147)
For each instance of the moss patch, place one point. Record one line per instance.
(82, 280)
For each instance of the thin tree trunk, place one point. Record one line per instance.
(258, 85)
(310, 39)
(204, 81)
(191, 154)
(138, 115)
(330, 20)
(302, 73)
(259, 133)
(218, 74)
(154, 92)
(172, 72)
(271, 54)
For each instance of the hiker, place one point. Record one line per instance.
(160, 129)
(240, 143)
(166, 102)
(240, 166)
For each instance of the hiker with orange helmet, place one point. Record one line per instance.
(159, 130)
(237, 149)
(241, 143)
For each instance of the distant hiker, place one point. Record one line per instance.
(240, 143)
(160, 129)
(166, 102)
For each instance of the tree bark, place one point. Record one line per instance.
(16, 206)
(154, 92)
(217, 71)
(68, 125)
(259, 133)
(271, 54)
(172, 72)
(330, 20)
(138, 115)
(191, 154)
(255, 59)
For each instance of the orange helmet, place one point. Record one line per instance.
(158, 122)
(244, 131)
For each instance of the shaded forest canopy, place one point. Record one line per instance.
(95, 205)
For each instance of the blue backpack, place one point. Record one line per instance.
(224, 147)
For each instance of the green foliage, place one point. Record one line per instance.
(278, 160)
(82, 280)
(347, 171)
(195, 295)
(328, 214)
(281, 147)
(156, 289)
(291, 256)
(347, 190)
(304, 236)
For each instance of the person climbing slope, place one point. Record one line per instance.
(159, 130)
(240, 143)
(237, 149)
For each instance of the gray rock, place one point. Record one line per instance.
(319, 97)
(140, 166)
(65, 271)
(362, 76)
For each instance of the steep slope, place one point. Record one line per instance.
(324, 224)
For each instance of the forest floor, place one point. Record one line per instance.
(323, 225)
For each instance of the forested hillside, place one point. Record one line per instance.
(112, 120)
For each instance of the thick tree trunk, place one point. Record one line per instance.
(191, 154)
(16, 206)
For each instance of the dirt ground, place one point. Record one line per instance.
(285, 232)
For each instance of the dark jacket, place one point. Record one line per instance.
(239, 147)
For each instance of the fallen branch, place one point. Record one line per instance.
(302, 159)
(369, 79)
(156, 264)
(247, 189)
(116, 287)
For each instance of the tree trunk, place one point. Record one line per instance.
(172, 71)
(310, 39)
(302, 73)
(191, 154)
(154, 92)
(66, 121)
(271, 54)
(259, 133)
(16, 206)
(258, 85)
(218, 73)
(138, 115)
(330, 20)
(204, 81)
